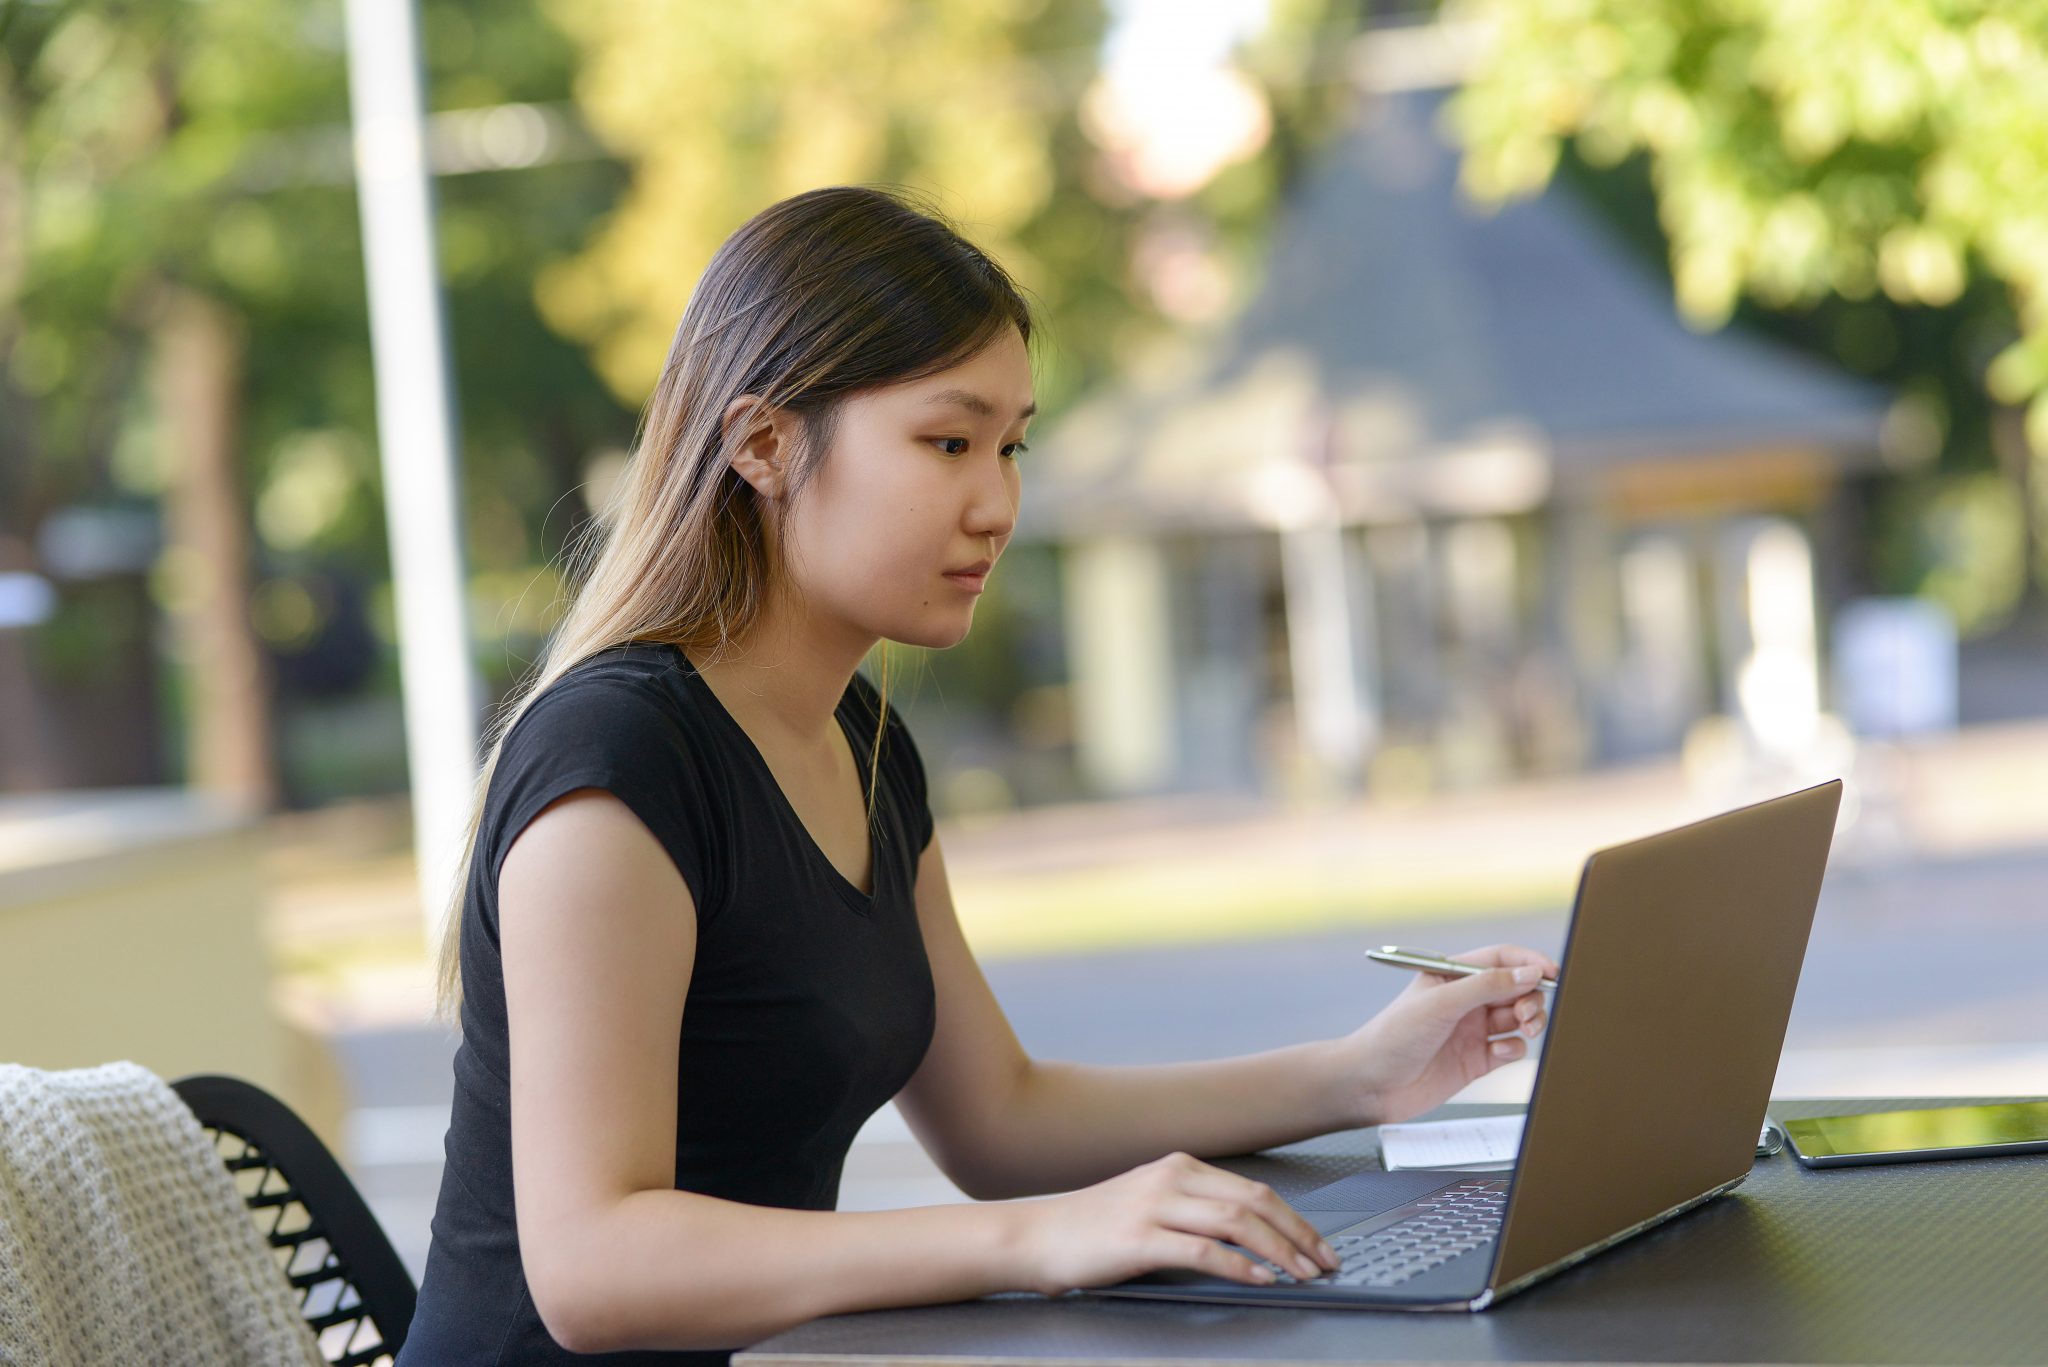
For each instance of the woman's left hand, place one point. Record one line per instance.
(1442, 1033)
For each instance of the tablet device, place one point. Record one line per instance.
(1830, 1141)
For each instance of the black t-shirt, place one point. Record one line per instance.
(810, 1003)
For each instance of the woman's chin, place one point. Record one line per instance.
(935, 635)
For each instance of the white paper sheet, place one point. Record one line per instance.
(1486, 1144)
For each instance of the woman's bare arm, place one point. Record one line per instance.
(1002, 1124)
(598, 934)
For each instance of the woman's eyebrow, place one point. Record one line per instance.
(974, 403)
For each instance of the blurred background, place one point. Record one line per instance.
(1471, 434)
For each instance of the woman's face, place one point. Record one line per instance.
(908, 511)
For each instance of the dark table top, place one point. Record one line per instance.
(1929, 1262)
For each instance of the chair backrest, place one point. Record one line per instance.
(353, 1289)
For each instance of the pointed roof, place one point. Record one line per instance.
(1433, 357)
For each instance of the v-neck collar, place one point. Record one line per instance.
(849, 892)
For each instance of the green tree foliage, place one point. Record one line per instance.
(723, 109)
(1824, 151)
(121, 126)
(152, 144)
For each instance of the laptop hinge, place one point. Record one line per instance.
(1573, 1259)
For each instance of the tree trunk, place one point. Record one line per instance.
(197, 374)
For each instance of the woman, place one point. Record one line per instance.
(704, 931)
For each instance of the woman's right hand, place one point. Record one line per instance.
(1170, 1213)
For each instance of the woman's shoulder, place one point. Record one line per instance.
(621, 720)
(629, 665)
(623, 698)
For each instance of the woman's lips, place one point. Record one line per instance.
(971, 580)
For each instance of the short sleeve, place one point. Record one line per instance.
(615, 734)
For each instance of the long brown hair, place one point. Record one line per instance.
(825, 294)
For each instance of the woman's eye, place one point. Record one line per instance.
(958, 446)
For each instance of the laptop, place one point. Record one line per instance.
(1678, 972)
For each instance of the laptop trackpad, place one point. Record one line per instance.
(1363, 1195)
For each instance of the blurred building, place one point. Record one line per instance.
(1456, 496)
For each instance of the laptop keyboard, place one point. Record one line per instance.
(1444, 1224)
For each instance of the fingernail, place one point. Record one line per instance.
(1305, 1267)
(1527, 973)
(1329, 1254)
(1502, 1048)
(1261, 1272)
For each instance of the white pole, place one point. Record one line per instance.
(415, 435)
(1119, 639)
(1322, 651)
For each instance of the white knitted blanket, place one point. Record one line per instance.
(122, 1236)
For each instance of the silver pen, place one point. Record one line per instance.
(1423, 961)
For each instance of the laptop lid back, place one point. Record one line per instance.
(1679, 970)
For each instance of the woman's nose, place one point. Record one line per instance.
(994, 509)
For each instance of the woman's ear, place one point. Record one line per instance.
(765, 443)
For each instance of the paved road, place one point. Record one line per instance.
(1903, 959)
(1933, 955)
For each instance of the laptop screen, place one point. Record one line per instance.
(1679, 969)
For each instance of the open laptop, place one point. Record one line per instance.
(1677, 979)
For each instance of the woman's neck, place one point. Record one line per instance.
(786, 673)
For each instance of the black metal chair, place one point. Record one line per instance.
(352, 1288)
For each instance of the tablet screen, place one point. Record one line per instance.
(1945, 1127)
